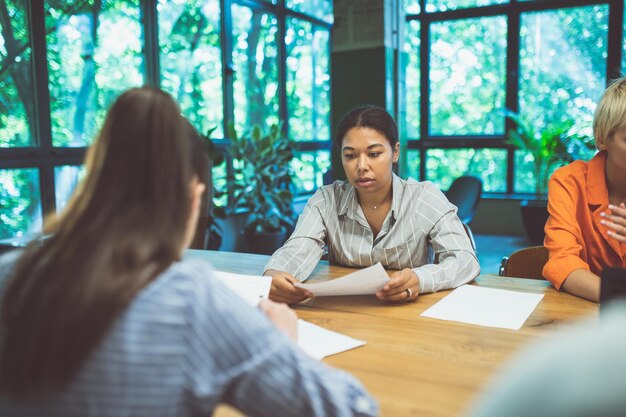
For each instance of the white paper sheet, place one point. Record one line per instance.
(314, 340)
(362, 282)
(320, 342)
(489, 307)
(249, 287)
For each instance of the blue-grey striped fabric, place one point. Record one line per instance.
(187, 343)
(421, 223)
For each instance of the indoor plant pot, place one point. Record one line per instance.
(264, 243)
(534, 217)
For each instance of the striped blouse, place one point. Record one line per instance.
(187, 343)
(421, 224)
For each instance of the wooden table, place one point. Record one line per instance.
(417, 366)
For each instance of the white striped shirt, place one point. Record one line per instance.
(421, 223)
(187, 343)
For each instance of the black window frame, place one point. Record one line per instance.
(45, 157)
(512, 11)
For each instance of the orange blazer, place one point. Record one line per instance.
(577, 194)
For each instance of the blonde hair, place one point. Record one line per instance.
(610, 115)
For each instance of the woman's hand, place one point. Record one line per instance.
(403, 286)
(283, 290)
(615, 219)
(284, 318)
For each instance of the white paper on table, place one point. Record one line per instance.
(490, 307)
(320, 342)
(362, 282)
(249, 287)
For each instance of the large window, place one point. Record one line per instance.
(17, 105)
(190, 57)
(246, 62)
(88, 65)
(466, 63)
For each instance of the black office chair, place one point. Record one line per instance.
(465, 194)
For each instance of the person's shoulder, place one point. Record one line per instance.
(191, 285)
(336, 187)
(412, 183)
(576, 170)
(420, 198)
(570, 180)
(331, 193)
(418, 188)
(185, 278)
(199, 276)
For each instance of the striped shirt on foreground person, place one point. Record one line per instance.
(187, 343)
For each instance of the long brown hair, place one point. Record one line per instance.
(125, 225)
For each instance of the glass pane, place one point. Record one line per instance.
(412, 6)
(525, 181)
(413, 164)
(411, 57)
(562, 63)
(441, 6)
(66, 178)
(220, 185)
(94, 54)
(16, 93)
(468, 76)
(256, 68)
(322, 9)
(191, 61)
(308, 81)
(309, 169)
(444, 165)
(20, 202)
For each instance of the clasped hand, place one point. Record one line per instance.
(615, 219)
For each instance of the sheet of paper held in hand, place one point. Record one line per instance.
(362, 282)
(314, 340)
(489, 307)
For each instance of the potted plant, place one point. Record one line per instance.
(263, 185)
(556, 145)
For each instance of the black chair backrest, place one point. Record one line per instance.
(465, 194)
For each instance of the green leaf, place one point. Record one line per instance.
(549, 147)
(265, 188)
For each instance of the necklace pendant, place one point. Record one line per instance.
(375, 207)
